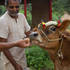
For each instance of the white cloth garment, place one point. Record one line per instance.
(12, 31)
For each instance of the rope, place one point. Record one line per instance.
(48, 38)
(59, 52)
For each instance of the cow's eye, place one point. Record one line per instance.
(52, 28)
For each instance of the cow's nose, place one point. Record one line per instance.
(33, 34)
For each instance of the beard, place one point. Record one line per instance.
(13, 14)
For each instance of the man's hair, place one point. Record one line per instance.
(7, 1)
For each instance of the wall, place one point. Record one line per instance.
(40, 11)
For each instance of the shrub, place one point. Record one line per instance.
(38, 58)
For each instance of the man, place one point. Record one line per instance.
(13, 27)
(21, 43)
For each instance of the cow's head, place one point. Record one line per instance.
(51, 32)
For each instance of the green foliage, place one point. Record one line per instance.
(61, 5)
(55, 15)
(29, 15)
(21, 11)
(67, 6)
(38, 58)
(2, 10)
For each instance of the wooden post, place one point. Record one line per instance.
(25, 9)
(50, 14)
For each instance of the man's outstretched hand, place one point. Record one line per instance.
(23, 43)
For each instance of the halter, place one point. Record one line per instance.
(47, 36)
(59, 53)
(49, 40)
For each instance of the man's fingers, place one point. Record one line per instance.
(27, 40)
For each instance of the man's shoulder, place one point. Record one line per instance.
(3, 17)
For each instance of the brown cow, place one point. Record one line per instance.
(57, 41)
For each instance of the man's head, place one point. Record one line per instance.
(12, 7)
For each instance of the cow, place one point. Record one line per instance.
(56, 40)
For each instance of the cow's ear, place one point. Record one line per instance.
(64, 25)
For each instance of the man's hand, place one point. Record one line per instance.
(23, 43)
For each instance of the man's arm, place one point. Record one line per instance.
(20, 43)
(9, 57)
(7, 53)
(6, 45)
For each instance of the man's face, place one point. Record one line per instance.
(13, 8)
